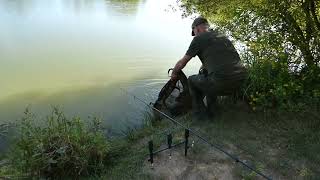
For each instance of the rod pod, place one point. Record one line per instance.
(186, 136)
(151, 152)
(169, 141)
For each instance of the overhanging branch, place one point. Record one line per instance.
(313, 12)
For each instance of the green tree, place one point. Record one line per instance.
(278, 29)
(281, 41)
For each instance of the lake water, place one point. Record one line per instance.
(78, 53)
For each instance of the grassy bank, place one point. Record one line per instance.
(281, 144)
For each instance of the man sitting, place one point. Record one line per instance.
(221, 72)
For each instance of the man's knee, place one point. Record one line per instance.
(196, 80)
(191, 79)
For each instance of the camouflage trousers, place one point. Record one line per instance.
(202, 85)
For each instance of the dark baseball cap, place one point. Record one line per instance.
(198, 21)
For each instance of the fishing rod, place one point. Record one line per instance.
(216, 146)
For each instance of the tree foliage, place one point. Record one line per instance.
(281, 40)
(268, 27)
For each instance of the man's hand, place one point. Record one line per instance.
(204, 72)
(174, 76)
(179, 66)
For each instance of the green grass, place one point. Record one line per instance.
(280, 144)
(284, 143)
(58, 147)
(129, 153)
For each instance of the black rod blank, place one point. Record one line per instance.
(151, 151)
(169, 138)
(186, 135)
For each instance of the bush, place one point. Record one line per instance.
(271, 84)
(60, 147)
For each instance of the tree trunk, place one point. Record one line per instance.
(299, 40)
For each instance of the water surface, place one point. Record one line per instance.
(77, 53)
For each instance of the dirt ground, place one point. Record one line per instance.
(181, 167)
(202, 163)
(267, 144)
